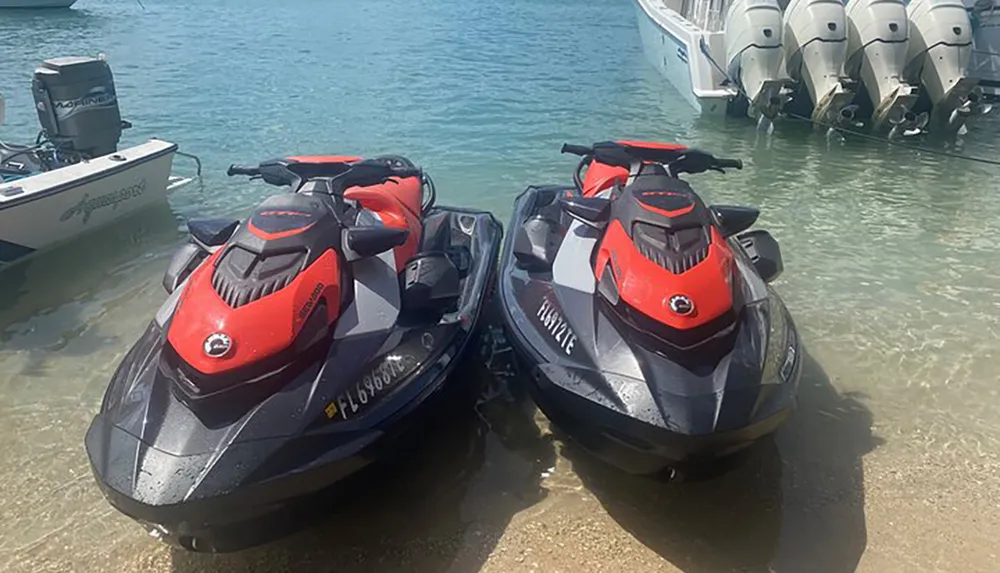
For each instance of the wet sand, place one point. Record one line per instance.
(497, 491)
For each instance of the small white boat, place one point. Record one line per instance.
(681, 50)
(36, 3)
(723, 56)
(76, 180)
(44, 210)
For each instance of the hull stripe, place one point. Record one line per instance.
(10, 252)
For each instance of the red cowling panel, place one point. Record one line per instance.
(324, 158)
(648, 287)
(279, 235)
(398, 204)
(652, 145)
(257, 330)
(600, 176)
(643, 198)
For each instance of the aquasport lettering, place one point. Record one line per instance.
(88, 205)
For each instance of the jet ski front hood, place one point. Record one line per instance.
(151, 445)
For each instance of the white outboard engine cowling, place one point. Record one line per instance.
(938, 57)
(816, 51)
(77, 105)
(877, 40)
(755, 55)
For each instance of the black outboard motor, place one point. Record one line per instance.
(77, 105)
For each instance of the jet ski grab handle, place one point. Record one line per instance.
(360, 174)
(677, 161)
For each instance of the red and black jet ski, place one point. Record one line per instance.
(294, 348)
(643, 317)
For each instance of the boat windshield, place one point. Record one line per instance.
(709, 15)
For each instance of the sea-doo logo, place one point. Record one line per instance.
(681, 305)
(217, 345)
(557, 326)
(313, 297)
(87, 205)
(97, 97)
(283, 214)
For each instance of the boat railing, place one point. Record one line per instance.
(709, 15)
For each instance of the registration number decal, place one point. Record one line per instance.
(557, 326)
(375, 383)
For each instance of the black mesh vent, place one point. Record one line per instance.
(676, 250)
(242, 277)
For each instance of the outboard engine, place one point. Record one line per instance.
(754, 54)
(938, 57)
(816, 48)
(77, 105)
(877, 41)
(985, 64)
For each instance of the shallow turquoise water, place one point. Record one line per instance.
(890, 258)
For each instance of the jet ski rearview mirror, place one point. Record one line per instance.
(734, 219)
(363, 242)
(591, 211)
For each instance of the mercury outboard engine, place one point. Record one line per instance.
(755, 56)
(77, 105)
(815, 37)
(938, 57)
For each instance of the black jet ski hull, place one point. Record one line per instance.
(251, 463)
(604, 385)
(632, 445)
(263, 512)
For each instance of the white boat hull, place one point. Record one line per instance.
(672, 45)
(50, 208)
(36, 3)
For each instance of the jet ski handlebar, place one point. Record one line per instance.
(678, 160)
(243, 170)
(360, 174)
